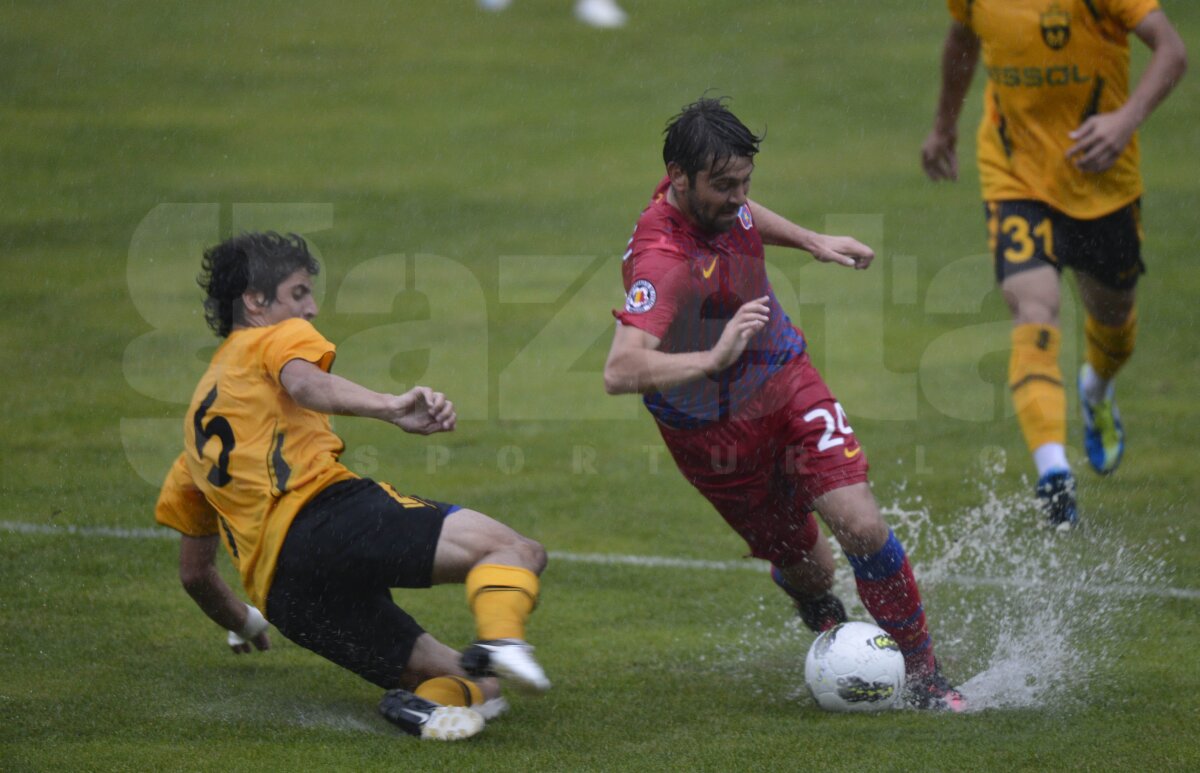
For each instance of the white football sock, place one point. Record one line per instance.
(1095, 389)
(1050, 456)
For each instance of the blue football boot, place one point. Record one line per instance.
(1056, 496)
(1103, 435)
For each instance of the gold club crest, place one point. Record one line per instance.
(1056, 26)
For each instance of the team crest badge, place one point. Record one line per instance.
(745, 218)
(1056, 27)
(641, 297)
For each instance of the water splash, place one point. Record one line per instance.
(1037, 616)
(1022, 617)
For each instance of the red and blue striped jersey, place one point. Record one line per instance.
(682, 286)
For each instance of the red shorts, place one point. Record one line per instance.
(763, 468)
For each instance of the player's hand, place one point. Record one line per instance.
(241, 646)
(938, 156)
(843, 250)
(423, 411)
(254, 631)
(750, 318)
(1100, 140)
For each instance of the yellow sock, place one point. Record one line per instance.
(1108, 348)
(501, 598)
(1037, 387)
(450, 691)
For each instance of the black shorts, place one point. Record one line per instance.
(345, 549)
(1025, 234)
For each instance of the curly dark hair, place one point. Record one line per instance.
(252, 261)
(705, 135)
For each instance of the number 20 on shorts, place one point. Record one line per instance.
(835, 425)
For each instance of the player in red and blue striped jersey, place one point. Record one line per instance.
(747, 418)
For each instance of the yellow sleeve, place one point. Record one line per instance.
(959, 10)
(297, 339)
(1127, 13)
(182, 506)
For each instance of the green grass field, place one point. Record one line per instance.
(470, 181)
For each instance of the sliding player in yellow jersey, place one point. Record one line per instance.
(1058, 162)
(318, 547)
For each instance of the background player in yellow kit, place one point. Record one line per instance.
(1058, 163)
(318, 547)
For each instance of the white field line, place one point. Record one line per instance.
(650, 562)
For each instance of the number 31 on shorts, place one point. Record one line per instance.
(836, 428)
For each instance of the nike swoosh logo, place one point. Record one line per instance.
(711, 266)
(851, 454)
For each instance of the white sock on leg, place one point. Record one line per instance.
(1094, 388)
(1050, 456)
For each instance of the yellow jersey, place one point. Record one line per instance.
(1050, 65)
(252, 456)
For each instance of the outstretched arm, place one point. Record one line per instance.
(1100, 140)
(635, 364)
(779, 231)
(960, 55)
(200, 578)
(420, 410)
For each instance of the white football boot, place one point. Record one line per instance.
(428, 720)
(510, 659)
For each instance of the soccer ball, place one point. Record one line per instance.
(855, 667)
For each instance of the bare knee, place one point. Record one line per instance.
(512, 548)
(470, 538)
(1033, 296)
(862, 538)
(854, 519)
(533, 554)
(1107, 306)
(1032, 311)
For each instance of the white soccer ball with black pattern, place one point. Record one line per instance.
(855, 667)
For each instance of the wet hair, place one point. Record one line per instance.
(705, 135)
(258, 262)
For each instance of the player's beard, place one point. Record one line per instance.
(710, 219)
